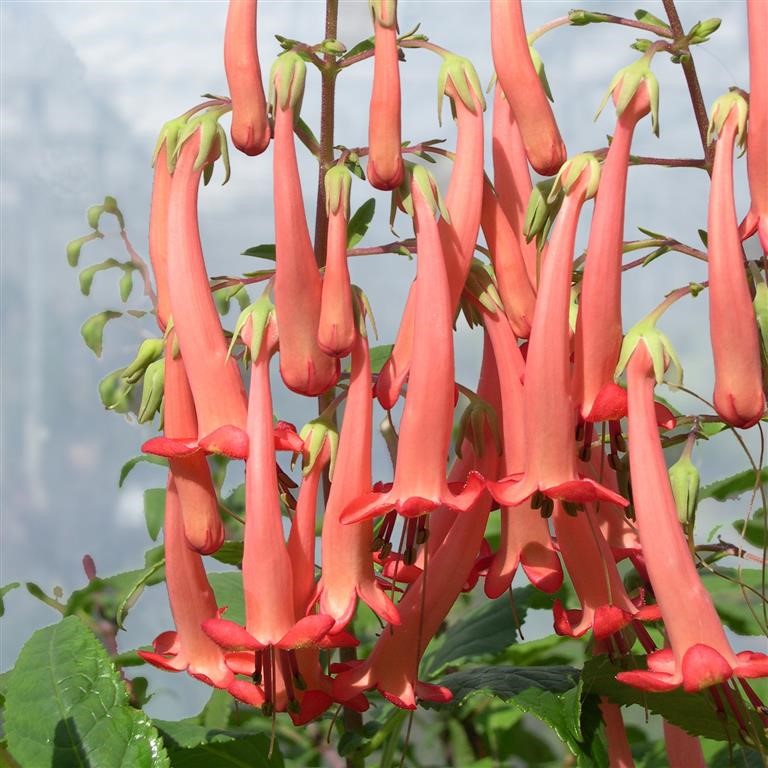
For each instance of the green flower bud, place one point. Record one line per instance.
(152, 392)
(685, 479)
(150, 350)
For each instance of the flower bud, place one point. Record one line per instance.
(685, 479)
(152, 392)
(149, 351)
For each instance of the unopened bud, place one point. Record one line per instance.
(149, 351)
(700, 32)
(685, 479)
(152, 392)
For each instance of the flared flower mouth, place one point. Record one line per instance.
(514, 490)
(458, 497)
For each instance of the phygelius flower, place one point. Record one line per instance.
(250, 126)
(738, 396)
(699, 654)
(619, 751)
(272, 630)
(523, 89)
(385, 163)
(550, 458)
(346, 549)
(214, 377)
(463, 201)
(392, 667)
(757, 130)
(598, 327)
(192, 602)
(525, 539)
(336, 331)
(304, 367)
(420, 483)
(682, 749)
(511, 176)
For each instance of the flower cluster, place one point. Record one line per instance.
(570, 456)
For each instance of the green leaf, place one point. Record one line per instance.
(552, 694)
(230, 552)
(361, 47)
(485, 631)
(86, 276)
(154, 511)
(379, 355)
(737, 606)
(263, 251)
(187, 733)
(359, 222)
(66, 706)
(228, 588)
(249, 752)
(646, 17)
(4, 590)
(125, 470)
(654, 235)
(734, 486)
(754, 530)
(126, 283)
(92, 330)
(693, 712)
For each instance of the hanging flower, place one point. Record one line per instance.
(738, 396)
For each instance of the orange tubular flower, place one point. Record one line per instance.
(214, 377)
(304, 367)
(523, 89)
(598, 327)
(757, 130)
(336, 332)
(250, 126)
(738, 397)
(619, 751)
(525, 538)
(272, 632)
(699, 654)
(420, 483)
(463, 201)
(392, 667)
(385, 163)
(192, 603)
(550, 459)
(515, 288)
(683, 750)
(511, 177)
(346, 549)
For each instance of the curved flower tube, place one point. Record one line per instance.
(420, 483)
(463, 201)
(336, 330)
(598, 326)
(511, 177)
(550, 457)
(683, 750)
(525, 538)
(392, 666)
(385, 163)
(738, 396)
(757, 129)
(347, 572)
(192, 602)
(523, 89)
(304, 367)
(619, 751)
(214, 377)
(699, 654)
(158, 233)
(250, 126)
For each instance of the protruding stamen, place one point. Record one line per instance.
(257, 663)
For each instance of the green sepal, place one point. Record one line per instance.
(630, 78)
(384, 12)
(481, 286)
(363, 311)
(338, 182)
(314, 434)
(291, 71)
(152, 391)
(213, 140)
(416, 174)
(332, 46)
(461, 72)
(702, 30)
(760, 303)
(658, 345)
(541, 210)
(720, 112)
(570, 173)
(538, 65)
(478, 415)
(169, 135)
(114, 391)
(260, 313)
(150, 350)
(580, 18)
(685, 481)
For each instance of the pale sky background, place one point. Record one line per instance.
(85, 88)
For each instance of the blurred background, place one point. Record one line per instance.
(85, 89)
